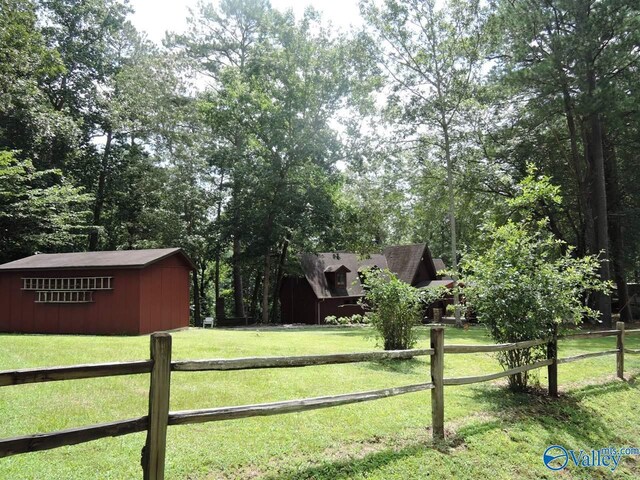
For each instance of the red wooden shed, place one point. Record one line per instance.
(130, 292)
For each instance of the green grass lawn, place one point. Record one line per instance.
(490, 433)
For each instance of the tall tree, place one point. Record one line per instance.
(29, 124)
(224, 37)
(564, 58)
(39, 210)
(432, 57)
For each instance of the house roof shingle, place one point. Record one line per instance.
(439, 265)
(86, 260)
(315, 265)
(403, 260)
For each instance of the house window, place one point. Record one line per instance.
(341, 280)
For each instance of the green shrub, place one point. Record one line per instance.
(450, 310)
(355, 319)
(358, 319)
(396, 307)
(523, 284)
(331, 320)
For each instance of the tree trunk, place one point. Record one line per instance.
(618, 264)
(596, 155)
(197, 321)
(100, 193)
(452, 220)
(585, 215)
(585, 230)
(278, 284)
(254, 297)
(614, 198)
(268, 229)
(238, 296)
(216, 280)
(203, 287)
(265, 286)
(600, 197)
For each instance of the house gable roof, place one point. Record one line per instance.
(404, 260)
(89, 260)
(440, 266)
(314, 267)
(336, 268)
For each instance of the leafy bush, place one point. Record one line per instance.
(396, 307)
(331, 320)
(523, 283)
(355, 319)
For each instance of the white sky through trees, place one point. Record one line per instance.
(155, 17)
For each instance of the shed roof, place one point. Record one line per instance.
(315, 265)
(88, 260)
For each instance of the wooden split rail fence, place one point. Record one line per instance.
(160, 367)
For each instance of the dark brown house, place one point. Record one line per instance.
(129, 292)
(331, 283)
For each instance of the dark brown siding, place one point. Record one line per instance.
(424, 273)
(339, 307)
(298, 303)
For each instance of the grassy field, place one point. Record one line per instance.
(490, 433)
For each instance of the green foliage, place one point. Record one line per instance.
(39, 210)
(432, 52)
(355, 319)
(396, 307)
(255, 156)
(331, 320)
(279, 83)
(523, 283)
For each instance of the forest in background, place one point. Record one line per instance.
(255, 135)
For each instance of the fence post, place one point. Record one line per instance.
(437, 375)
(552, 369)
(620, 355)
(153, 452)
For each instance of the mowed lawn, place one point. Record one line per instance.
(490, 433)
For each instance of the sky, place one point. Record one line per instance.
(155, 17)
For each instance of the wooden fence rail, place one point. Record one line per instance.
(72, 436)
(289, 406)
(290, 362)
(53, 374)
(160, 366)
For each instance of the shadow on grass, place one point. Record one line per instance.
(566, 420)
(350, 467)
(422, 333)
(402, 366)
